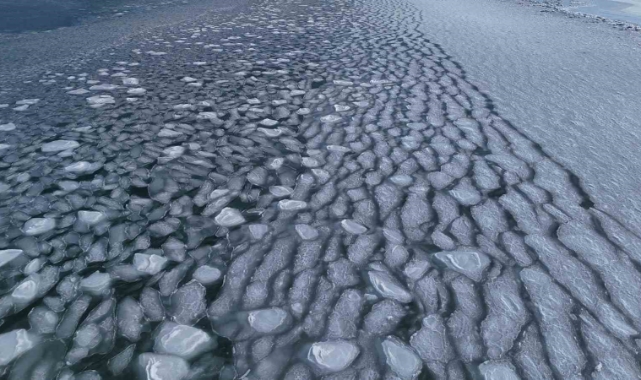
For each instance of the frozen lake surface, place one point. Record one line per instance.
(321, 189)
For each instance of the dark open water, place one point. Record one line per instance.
(39, 15)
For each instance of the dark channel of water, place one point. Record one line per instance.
(17, 16)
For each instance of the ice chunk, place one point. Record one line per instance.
(8, 255)
(188, 303)
(82, 167)
(150, 264)
(103, 87)
(130, 319)
(469, 263)
(290, 205)
(353, 227)
(389, 287)
(229, 217)
(130, 81)
(330, 119)
(207, 275)
(268, 122)
(280, 191)
(161, 367)
(166, 132)
(91, 217)
(401, 358)
(59, 145)
(431, 341)
(306, 232)
(15, 343)
(119, 363)
(26, 291)
(7, 127)
(333, 356)
(257, 231)
(38, 226)
(174, 151)
(100, 100)
(184, 341)
(267, 320)
(97, 283)
(42, 320)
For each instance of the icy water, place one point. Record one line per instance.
(40, 15)
(626, 10)
(303, 190)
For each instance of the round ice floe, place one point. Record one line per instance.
(333, 356)
(229, 217)
(207, 275)
(267, 320)
(184, 341)
(38, 226)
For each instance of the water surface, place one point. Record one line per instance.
(628, 10)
